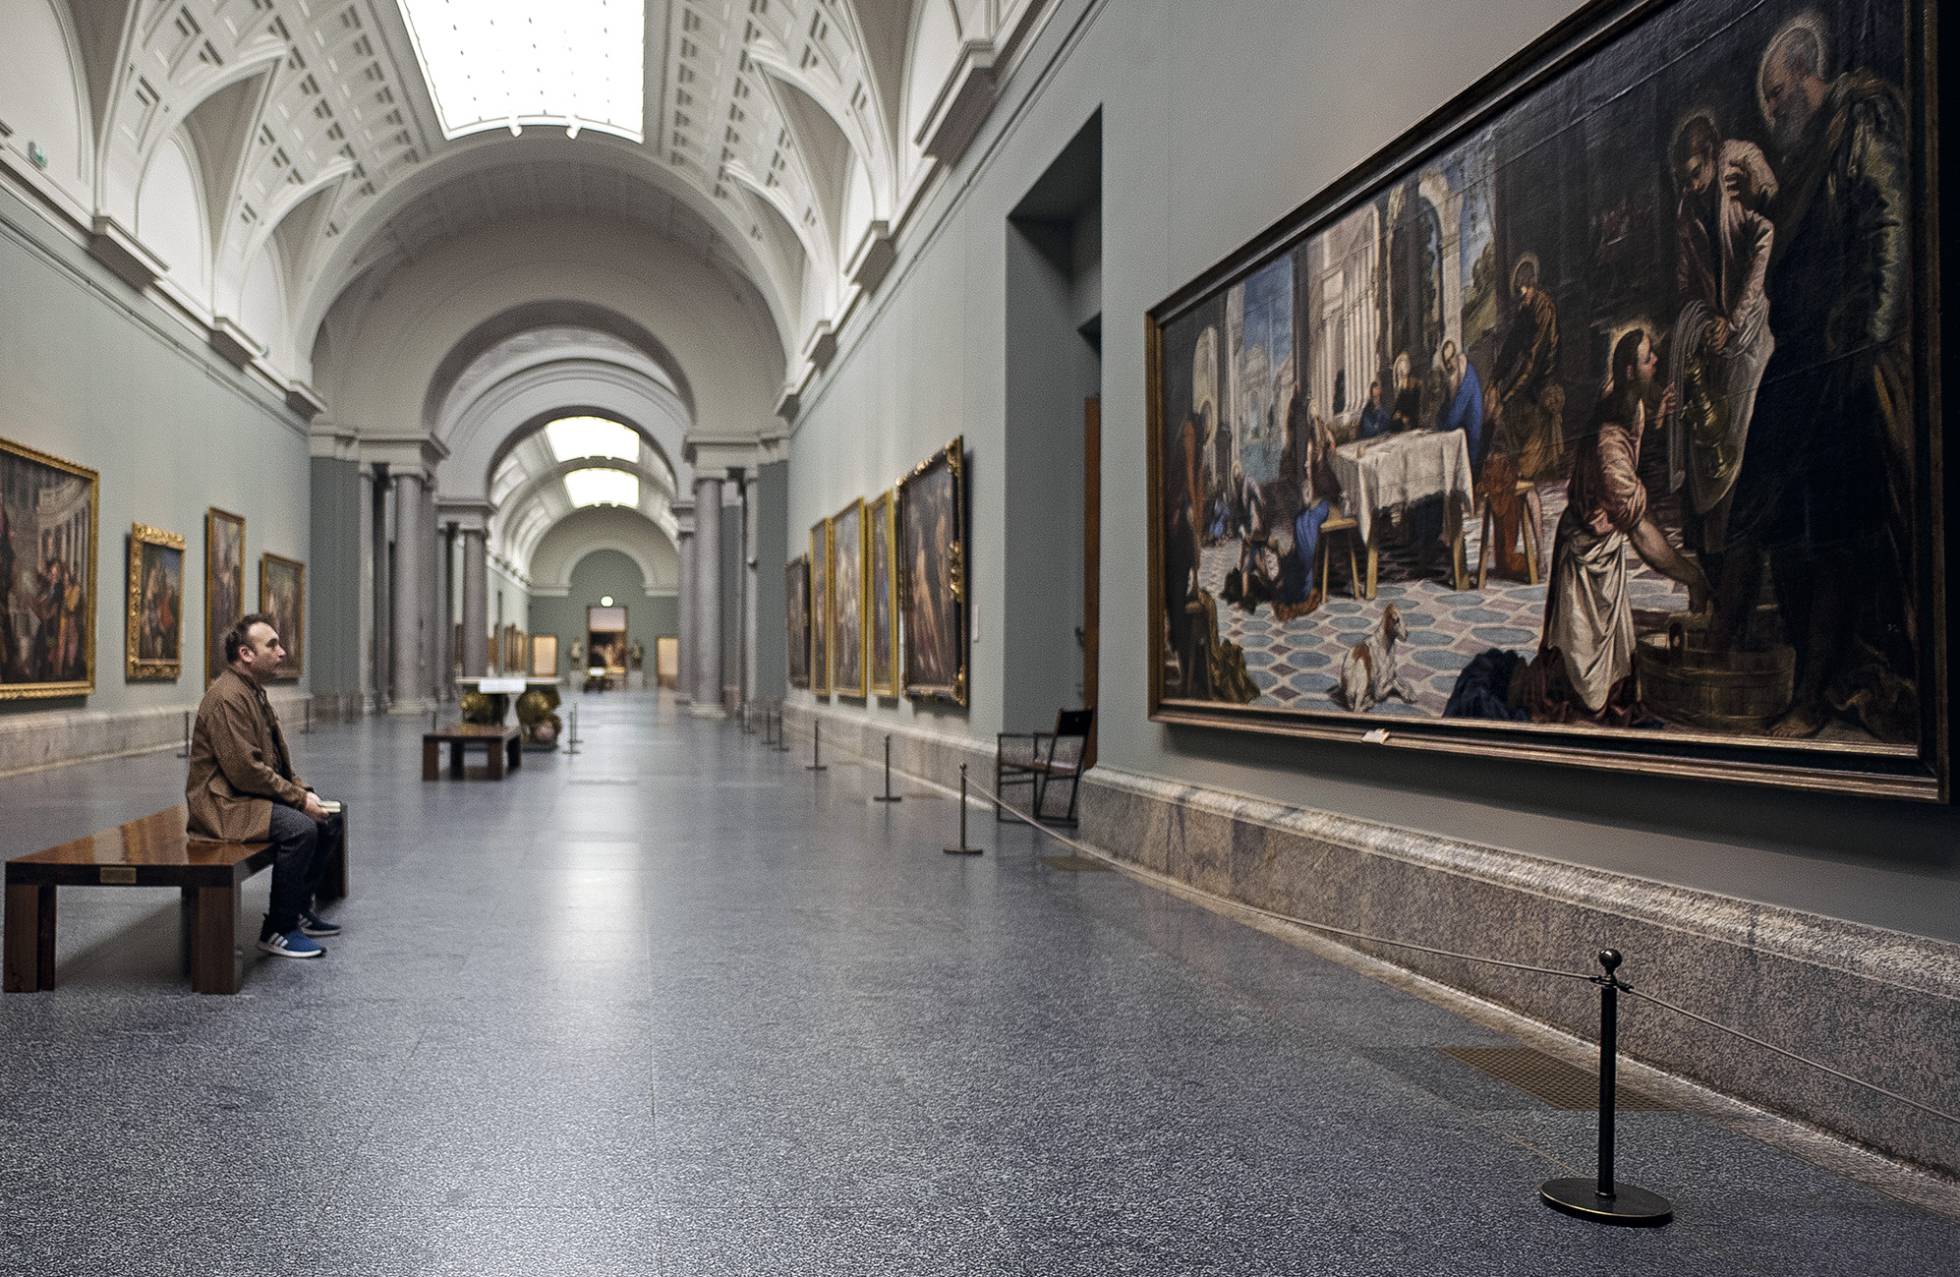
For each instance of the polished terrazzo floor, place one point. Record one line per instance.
(677, 1006)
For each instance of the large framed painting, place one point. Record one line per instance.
(932, 575)
(282, 596)
(797, 594)
(153, 641)
(847, 600)
(820, 607)
(881, 593)
(224, 585)
(1592, 422)
(48, 521)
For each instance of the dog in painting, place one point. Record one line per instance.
(1370, 673)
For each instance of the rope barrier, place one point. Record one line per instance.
(1082, 849)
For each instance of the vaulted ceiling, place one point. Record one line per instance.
(786, 142)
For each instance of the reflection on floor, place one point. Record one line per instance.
(677, 1006)
(1297, 664)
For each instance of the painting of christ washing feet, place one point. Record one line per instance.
(1590, 426)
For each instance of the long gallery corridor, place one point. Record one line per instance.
(677, 1005)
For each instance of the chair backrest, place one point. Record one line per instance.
(1075, 722)
(1071, 740)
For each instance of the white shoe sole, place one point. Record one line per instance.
(277, 952)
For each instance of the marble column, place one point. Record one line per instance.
(380, 667)
(476, 609)
(706, 610)
(447, 660)
(406, 641)
(746, 574)
(684, 654)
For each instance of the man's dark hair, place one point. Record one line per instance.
(1626, 353)
(1696, 136)
(235, 636)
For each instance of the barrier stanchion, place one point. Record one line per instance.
(306, 727)
(434, 717)
(1602, 1200)
(888, 796)
(571, 740)
(185, 752)
(816, 748)
(782, 737)
(963, 849)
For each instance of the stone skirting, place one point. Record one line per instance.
(1879, 1005)
(32, 740)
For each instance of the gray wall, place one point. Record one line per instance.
(1213, 131)
(333, 579)
(597, 575)
(93, 373)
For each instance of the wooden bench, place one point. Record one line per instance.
(152, 852)
(501, 742)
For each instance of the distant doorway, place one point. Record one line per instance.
(605, 639)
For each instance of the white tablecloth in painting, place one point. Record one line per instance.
(1393, 470)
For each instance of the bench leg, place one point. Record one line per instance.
(515, 748)
(495, 759)
(333, 881)
(30, 937)
(214, 931)
(456, 759)
(430, 753)
(1374, 565)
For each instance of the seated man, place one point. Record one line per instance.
(242, 788)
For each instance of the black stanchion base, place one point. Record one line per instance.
(817, 767)
(887, 798)
(1629, 1206)
(964, 851)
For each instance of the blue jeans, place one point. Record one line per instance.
(301, 851)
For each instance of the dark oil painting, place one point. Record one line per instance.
(48, 519)
(1589, 422)
(932, 576)
(798, 595)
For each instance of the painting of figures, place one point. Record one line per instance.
(820, 619)
(282, 596)
(847, 600)
(224, 585)
(1597, 428)
(798, 595)
(154, 638)
(881, 592)
(932, 575)
(48, 511)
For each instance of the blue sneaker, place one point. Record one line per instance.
(290, 944)
(314, 925)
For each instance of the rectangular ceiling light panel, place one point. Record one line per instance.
(602, 487)
(574, 437)
(494, 64)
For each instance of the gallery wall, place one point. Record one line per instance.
(97, 375)
(1213, 131)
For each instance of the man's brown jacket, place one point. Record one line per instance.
(234, 777)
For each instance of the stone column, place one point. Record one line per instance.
(447, 661)
(706, 610)
(747, 574)
(380, 667)
(476, 607)
(434, 680)
(684, 655)
(406, 641)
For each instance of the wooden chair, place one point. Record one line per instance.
(1530, 528)
(1345, 527)
(1034, 760)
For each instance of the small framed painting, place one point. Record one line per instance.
(153, 642)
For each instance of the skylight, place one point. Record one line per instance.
(574, 437)
(494, 64)
(602, 487)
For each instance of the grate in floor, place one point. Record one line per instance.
(1557, 1083)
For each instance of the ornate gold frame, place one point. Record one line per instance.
(67, 687)
(1921, 771)
(800, 565)
(881, 524)
(953, 457)
(853, 509)
(820, 636)
(136, 669)
(213, 631)
(293, 670)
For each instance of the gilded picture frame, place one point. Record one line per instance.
(847, 654)
(282, 596)
(1554, 212)
(881, 664)
(224, 584)
(49, 525)
(153, 631)
(932, 576)
(796, 598)
(820, 607)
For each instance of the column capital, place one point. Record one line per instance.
(714, 455)
(470, 517)
(404, 452)
(333, 441)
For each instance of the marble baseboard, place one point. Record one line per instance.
(34, 740)
(1879, 1005)
(929, 755)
